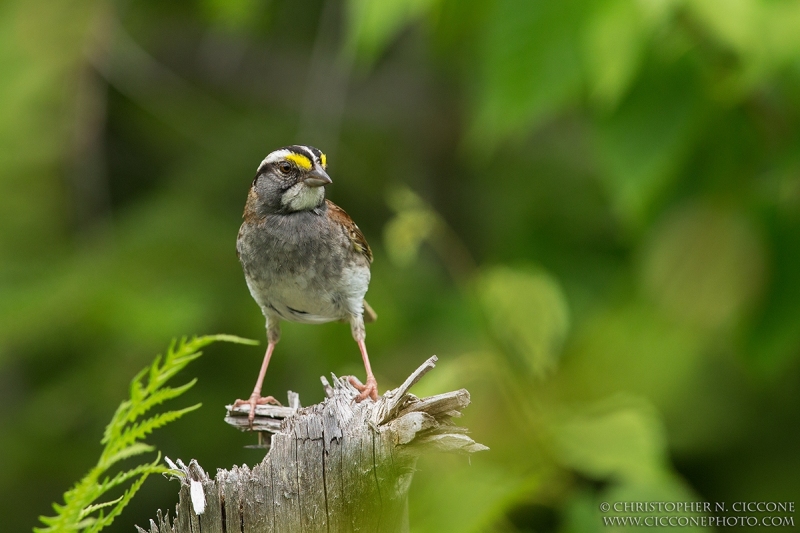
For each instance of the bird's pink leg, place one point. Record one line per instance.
(256, 398)
(370, 388)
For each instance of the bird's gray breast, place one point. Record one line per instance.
(298, 268)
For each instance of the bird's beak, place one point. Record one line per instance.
(317, 178)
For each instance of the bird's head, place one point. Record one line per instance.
(290, 179)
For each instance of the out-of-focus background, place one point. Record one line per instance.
(588, 209)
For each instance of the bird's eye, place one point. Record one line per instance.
(285, 167)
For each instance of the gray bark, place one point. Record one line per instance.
(337, 466)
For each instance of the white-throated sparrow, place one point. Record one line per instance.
(304, 258)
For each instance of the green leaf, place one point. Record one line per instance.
(412, 225)
(704, 266)
(642, 147)
(583, 514)
(475, 495)
(405, 233)
(631, 348)
(621, 439)
(373, 23)
(527, 313)
(614, 43)
(774, 341)
(529, 69)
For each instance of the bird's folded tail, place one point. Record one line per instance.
(369, 313)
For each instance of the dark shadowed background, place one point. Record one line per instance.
(588, 209)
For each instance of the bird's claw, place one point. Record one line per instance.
(367, 390)
(255, 399)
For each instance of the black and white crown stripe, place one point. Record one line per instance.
(313, 154)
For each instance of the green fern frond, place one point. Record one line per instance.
(140, 430)
(103, 521)
(130, 451)
(158, 397)
(121, 477)
(97, 506)
(122, 439)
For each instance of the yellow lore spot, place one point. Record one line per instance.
(299, 160)
(324, 160)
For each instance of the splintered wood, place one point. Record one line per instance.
(337, 466)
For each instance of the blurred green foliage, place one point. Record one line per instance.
(602, 242)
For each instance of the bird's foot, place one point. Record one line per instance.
(255, 399)
(368, 390)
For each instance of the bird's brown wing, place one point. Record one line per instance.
(357, 239)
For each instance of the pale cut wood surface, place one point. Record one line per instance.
(337, 466)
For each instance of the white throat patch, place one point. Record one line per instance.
(301, 197)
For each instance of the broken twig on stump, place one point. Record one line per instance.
(337, 466)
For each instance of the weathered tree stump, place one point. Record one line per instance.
(337, 466)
